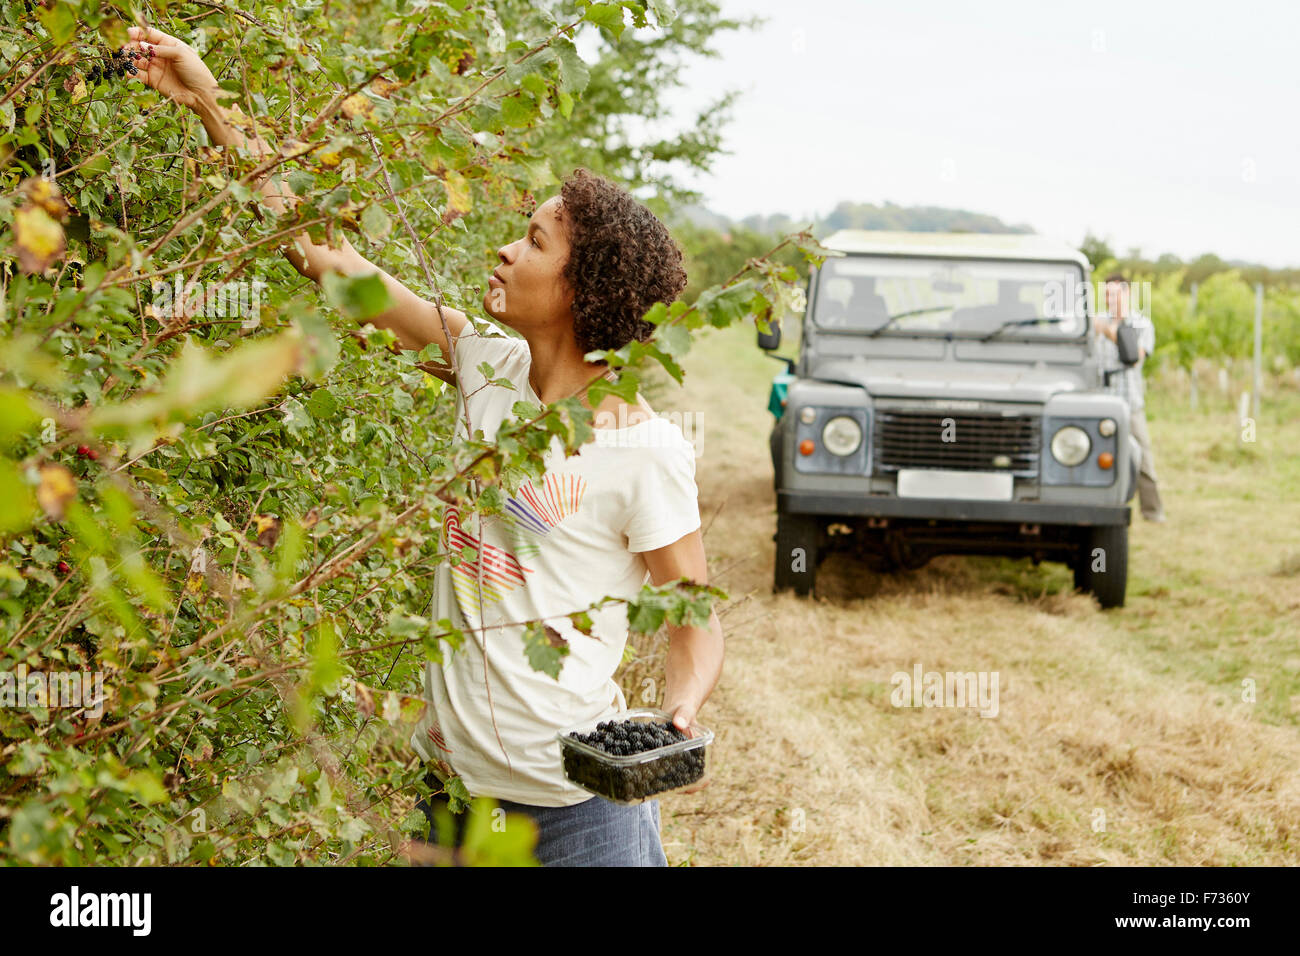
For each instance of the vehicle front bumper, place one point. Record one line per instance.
(881, 506)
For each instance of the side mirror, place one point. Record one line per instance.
(770, 340)
(1126, 338)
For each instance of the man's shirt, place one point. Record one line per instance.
(1128, 383)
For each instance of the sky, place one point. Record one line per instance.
(1169, 127)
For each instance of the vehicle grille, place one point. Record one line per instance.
(914, 439)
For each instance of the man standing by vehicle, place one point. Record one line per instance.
(1128, 383)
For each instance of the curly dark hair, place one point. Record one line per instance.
(622, 260)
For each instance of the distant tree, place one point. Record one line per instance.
(1096, 249)
(890, 216)
(1203, 267)
(712, 255)
(628, 88)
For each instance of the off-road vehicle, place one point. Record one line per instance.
(949, 397)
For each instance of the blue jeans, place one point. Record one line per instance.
(595, 832)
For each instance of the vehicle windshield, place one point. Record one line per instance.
(977, 298)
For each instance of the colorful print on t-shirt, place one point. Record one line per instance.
(533, 513)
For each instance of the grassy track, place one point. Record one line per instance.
(1122, 737)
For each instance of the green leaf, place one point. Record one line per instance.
(113, 30)
(674, 338)
(645, 617)
(325, 670)
(494, 838)
(724, 307)
(519, 111)
(60, 21)
(28, 827)
(323, 404)
(200, 381)
(458, 797)
(664, 12)
(17, 503)
(359, 297)
(320, 346)
(376, 222)
(145, 787)
(607, 16)
(545, 648)
(574, 74)
(656, 314)
(29, 760)
(16, 414)
(290, 549)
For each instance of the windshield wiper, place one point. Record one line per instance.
(903, 315)
(1012, 323)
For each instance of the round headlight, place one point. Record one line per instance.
(1106, 427)
(842, 435)
(807, 414)
(1070, 445)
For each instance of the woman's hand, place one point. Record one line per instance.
(683, 716)
(174, 70)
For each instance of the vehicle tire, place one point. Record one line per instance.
(1110, 584)
(798, 539)
(1081, 563)
(774, 443)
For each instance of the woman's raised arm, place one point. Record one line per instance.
(177, 71)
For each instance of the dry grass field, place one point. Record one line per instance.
(1122, 737)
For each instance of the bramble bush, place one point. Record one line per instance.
(228, 504)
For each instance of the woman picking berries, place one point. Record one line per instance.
(591, 263)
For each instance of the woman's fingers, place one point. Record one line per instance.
(162, 52)
(150, 35)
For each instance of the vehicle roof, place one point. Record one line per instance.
(974, 245)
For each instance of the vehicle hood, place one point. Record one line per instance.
(989, 381)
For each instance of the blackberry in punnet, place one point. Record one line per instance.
(628, 760)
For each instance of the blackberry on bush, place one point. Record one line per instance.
(115, 65)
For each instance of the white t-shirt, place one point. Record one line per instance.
(569, 541)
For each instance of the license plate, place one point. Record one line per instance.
(965, 485)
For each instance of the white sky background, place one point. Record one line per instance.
(1171, 127)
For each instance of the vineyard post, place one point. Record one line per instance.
(1259, 338)
(1191, 318)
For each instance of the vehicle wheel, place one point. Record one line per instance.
(797, 544)
(1081, 563)
(774, 443)
(1110, 583)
